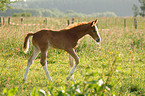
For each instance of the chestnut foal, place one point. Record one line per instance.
(65, 39)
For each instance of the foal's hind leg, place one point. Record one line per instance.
(77, 60)
(30, 61)
(43, 62)
(71, 59)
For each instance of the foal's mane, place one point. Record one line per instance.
(76, 24)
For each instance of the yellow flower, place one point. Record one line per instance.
(105, 90)
(117, 52)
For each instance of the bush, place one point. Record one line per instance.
(51, 13)
(24, 14)
(16, 15)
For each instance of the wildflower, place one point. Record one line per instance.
(42, 92)
(117, 71)
(108, 88)
(100, 82)
(117, 52)
(78, 90)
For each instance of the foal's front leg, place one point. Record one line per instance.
(71, 59)
(77, 60)
(43, 62)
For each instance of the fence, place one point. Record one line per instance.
(2, 22)
(103, 22)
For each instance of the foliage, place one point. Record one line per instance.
(4, 4)
(10, 92)
(54, 13)
(135, 9)
(119, 56)
(82, 6)
(25, 14)
(86, 88)
(142, 7)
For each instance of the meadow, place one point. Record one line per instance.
(119, 60)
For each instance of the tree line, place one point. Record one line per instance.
(119, 7)
(84, 6)
(51, 13)
(142, 8)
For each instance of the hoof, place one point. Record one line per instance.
(24, 81)
(51, 80)
(72, 78)
(67, 78)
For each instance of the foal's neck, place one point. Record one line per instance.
(80, 30)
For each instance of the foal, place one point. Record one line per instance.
(65, 39)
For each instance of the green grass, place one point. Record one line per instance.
(126, 45)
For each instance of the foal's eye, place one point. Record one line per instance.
(94, 30)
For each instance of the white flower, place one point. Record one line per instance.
(100, 82)
(108, 88)
(78, 90)
(42, 92)
(117, 71)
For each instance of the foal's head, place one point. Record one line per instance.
(93, 32)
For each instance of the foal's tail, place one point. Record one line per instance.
(26, 42)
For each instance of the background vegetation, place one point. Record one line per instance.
(53, 13)
(119, 7)
(4, 4)
(142, 8)
(118, 61)
(75, 8)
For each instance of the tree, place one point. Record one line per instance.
(4, 4)
(135, 9)
(142, 7)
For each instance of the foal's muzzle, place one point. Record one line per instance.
(98, 40)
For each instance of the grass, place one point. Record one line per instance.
(126, 45)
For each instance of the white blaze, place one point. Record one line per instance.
(96, 28)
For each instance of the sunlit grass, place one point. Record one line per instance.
(125, 44)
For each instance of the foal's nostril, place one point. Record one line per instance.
(98, 40)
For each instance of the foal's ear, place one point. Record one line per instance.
(94, 22)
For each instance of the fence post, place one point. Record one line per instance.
(21, 20)
(124, 23)
(9, 21)
(135, 23)
(0, 21)
(46, 21)
(68, 22)
(3, 21)
(73, 20)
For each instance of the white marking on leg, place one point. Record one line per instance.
(47, 73)
(30, 61)
(71, 65)
(26, 72)
(73, 69)
(72, 78)
(71, 72)
(77, 60)
(71, 61)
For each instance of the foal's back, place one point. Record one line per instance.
(61, 39)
